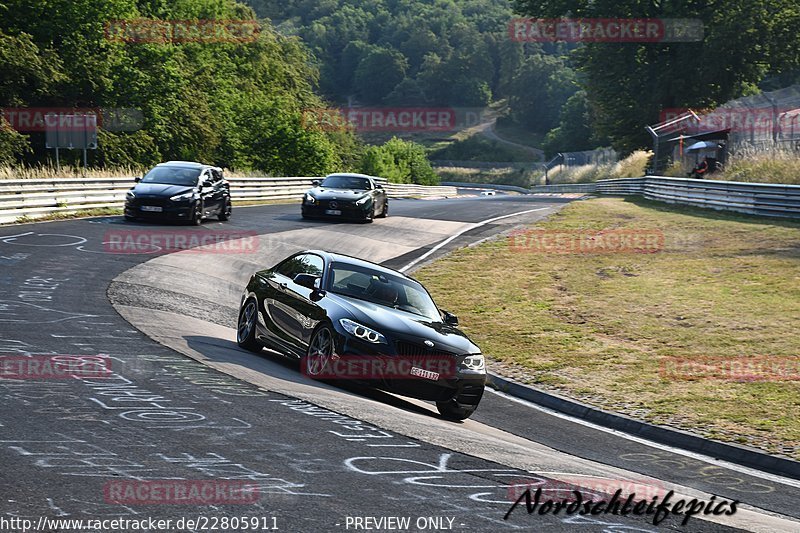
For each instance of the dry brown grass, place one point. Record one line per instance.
(597, 327)
(778, 167)
(632, 166)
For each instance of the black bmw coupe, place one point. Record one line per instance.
(345, 318)
(353, 196)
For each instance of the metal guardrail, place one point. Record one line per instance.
(764, 199)
(37, 198)
(485, 186)
(564, 188)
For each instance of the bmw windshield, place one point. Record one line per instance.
(382, 289)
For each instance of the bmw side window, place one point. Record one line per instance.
(293, 266)
(216, 175)
(313, 264)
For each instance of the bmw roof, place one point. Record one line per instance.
(341, 258)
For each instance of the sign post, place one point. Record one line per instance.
(71, 131)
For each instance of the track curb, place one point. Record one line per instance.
(732, 453)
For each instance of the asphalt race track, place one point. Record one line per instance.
(185, 403)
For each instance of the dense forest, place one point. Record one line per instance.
(747, 45)
(454, 53)
(237, 103)
(240, 103)
(459, 53)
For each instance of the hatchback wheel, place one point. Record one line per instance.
(225, 212)
(197, 214)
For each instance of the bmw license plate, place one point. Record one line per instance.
(152, 208)
(425, 374)
(333, 212)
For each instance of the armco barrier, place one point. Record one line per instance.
(565, 188)
(764, 199)
(549, 189)
(37, 198)
(486, 186)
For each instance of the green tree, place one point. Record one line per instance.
(12, 143)
(380, 71)
(574, 132)
(629, 84)
(234, 103)
(399, 161)
(540, 89)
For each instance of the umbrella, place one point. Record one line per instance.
(703, 145)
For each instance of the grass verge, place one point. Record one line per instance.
(598, 327)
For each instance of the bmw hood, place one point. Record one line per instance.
(160, 189)
(400, 325)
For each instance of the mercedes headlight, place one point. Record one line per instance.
(474, 362)
(183, 197)
(363, 200)
(310, 199)
(362, 332)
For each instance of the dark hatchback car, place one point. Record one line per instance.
(324, 309)
(180, 190)
(352, 196)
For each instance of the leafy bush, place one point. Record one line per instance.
(399, 161)
(12, 143)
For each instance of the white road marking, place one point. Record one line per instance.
(463, 231)
(677, 451)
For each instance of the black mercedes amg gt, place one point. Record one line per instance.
(345, 318)
(354, 196)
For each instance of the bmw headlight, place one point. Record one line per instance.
(183, 197)
(474, 362)
(362, 332)
(363, 201)
(310, 199)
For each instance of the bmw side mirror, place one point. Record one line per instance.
(137, 179)
(378, 186)
(449, 318)
(315, 183)
(306, 280)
